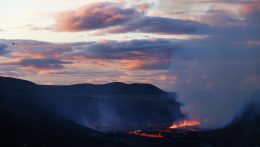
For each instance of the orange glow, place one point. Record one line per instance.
(139, 133)
(185, 123)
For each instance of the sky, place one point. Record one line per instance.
(209, 46)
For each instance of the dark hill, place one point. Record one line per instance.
(17, 131)
(110, 88)
(16, 85)
(105, 107)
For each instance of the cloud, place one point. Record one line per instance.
(3, 48)
(221, 15)
(151, 64)
(159, 25)
(182, 9)
(115, 18)
(10, 73)
(154, 54)
(220, 18)
(138, 54)
(134, 49)
(230, 1)
(251, 13)
(40, 64)
(95, 16)
(37, 49)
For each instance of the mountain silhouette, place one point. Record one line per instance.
(74, 109)
(111, 88)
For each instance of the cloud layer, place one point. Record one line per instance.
(95, 16)
(115, 18)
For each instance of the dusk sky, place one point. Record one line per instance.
(178, 45)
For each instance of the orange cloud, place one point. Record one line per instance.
(249, 8)
(95, 16)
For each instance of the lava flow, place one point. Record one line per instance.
(185, 123)
(141, 133)
(183, 127)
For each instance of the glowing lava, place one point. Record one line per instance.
(141, 133)
(185, 123)
(188, 126)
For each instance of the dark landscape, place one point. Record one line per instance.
(46, 116)
(130, 73)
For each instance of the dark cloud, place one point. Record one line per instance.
(159, 25)
(45, 63)
(3, 48)
(96, 16)
(134, 49)
(146, 54)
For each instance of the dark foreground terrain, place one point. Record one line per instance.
(17, 131)
(78, 115)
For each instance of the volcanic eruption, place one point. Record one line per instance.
(185, 123)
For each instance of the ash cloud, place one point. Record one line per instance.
(213, 73)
